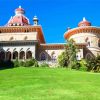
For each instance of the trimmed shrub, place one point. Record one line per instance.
(44, 65)
(16, 63)
(22, 63)
(30, 63)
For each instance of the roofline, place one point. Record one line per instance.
(83, 27)
(73, 31)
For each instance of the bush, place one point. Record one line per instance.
(36, 64)
(16, 63)
(22, 63)
(75, 65)
(44, 65)
(30, 63)
(83, 64)
(94, 64)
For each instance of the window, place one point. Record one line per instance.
(43, 56)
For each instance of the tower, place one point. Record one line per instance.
(35, 20)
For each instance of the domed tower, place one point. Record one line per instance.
(85, 34)
(84, 22)
(19, 11)
(19, 19)
(35, 20)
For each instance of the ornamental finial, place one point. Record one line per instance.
(84, 19)
(19, 6)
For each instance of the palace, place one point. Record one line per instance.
(20, 40)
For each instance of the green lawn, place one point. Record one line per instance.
(48, 84)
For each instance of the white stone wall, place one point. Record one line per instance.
(79, 54)
(31, 48)
(93, 38)
(92, 41)
(57, 52)
(18, 36)
(94, 50)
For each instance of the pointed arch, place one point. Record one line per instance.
(22, 55)
(8, 55)
(2, 55)
(15, 55)
(28, 55)
(43, 56)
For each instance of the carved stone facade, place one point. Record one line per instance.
(87, 34)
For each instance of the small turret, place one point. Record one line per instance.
(35, 20)
(84, 22)
(19, 11)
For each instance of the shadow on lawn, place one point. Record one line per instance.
(6, 64)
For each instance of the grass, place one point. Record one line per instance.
(48, 84)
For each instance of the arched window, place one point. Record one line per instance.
(22, 55)
(8, 55)
(15, 55)
(28, 55)
(2, 55)
(53, 57)
(43, 56)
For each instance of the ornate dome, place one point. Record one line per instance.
(84, 22)
(35, 18)
(19, 19)
(19, 10)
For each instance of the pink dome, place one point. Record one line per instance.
(19, 19)
(19, 9)
(84, 22)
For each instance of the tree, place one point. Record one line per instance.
(68, 57)
(63, 59)
(72, 50)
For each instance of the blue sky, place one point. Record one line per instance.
(54, 15)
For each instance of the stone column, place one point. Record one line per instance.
(25, 55)
(33, 55)
(11, 55)
(18, 55)
(34, 52)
